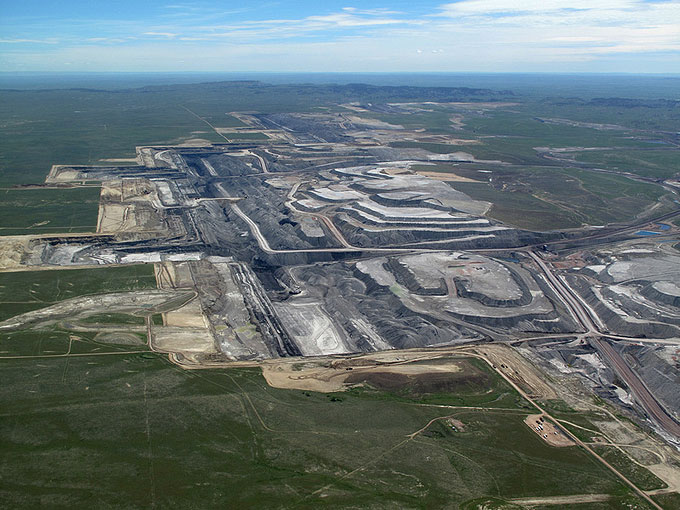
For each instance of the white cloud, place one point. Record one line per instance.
(28, 41)
(169, 35)
(489, 35)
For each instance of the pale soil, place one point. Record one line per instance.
(58, 175)
(669, 474)
(457, 121)
(12, 251)
(452, 422)
(119, 160)
(311, 328)
(465, 157)
(326, 377)
(190, 315)
(554, 436)
(445, 176)
(372, 123)
(116, 218)
(562, 500)
(314, 379)
(395, 171)
(165, 275)
(479, 106)
(195, 142)
(445, 140)
(181, 340)
(123, 206)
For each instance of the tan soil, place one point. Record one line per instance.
(445, 176)
(190, 315)
(181, 340)
(12, 251)
(173, 275)
(669, 474)
(165, 275)
(68, 175)
(116, 218)
(452, 422)
(518, 369)
(395, 171)
(124, 205)
(326, 377)
(195, 142)
(562, 500)
(549, 433)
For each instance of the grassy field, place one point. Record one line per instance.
(668, 500)
(660, 164)
(542, 198)
(643, 478)
(45, 211)
(22, 292)
(30, 290)
(517, 208)
(133, 431)
(83, 127)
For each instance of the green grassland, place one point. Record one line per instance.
(22, 292)
(133, 431)
(511, 122)
(30, 290)
(645, 115)
(660, 164)
(639, 475)
(541, 198)
(517, 208)
(671, 500)
(82, 127)
(511, 134)
(45, 211)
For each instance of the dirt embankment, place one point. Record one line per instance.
(422, 374)
(518, 369)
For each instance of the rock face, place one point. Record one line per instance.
(635, 291)
(412, 301)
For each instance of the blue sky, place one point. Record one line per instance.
(634, 36)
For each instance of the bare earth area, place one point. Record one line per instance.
(548, 431)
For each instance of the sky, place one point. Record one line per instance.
(630, 36)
